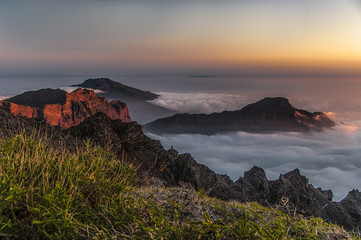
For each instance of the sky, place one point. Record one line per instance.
(251, 37)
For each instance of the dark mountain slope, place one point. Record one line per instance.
(269, 114)
(112, 87)
(40, 98)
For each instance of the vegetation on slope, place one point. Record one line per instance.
(48, 193)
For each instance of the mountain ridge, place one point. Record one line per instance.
(110, 86)
(268, 114)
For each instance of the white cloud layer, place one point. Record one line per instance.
(330, 159)
(200, 102)
(72, 89)
(5, 97)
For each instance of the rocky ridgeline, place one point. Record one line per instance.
(268, 114)
(59, 108)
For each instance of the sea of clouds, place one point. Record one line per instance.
(200, 102)
(330, 159)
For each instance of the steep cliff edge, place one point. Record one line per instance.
(268, 114)
(59, 108)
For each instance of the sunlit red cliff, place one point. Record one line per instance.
(62, 109)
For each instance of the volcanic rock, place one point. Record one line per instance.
(62, 109)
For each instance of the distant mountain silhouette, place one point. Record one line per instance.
(141, 110)
(110, 86)
(268, 114)
(59, 108)
(40, 98)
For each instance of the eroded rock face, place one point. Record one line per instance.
(254, 185)
(62, 109)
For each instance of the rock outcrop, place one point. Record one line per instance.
(269, 114)
(59, 108)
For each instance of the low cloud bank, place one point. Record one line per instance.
(330, 159)
(200, 102)
(5, 97)
(72, 89)
(340, 110)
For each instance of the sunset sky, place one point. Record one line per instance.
(240, 37)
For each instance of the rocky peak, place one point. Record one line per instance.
(254, 184)
(270, 105)
(279, 108)
(82, 92)
(100, 83)
(352, 205)
(62, 109)
(295, 177)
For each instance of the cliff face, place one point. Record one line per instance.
(62, 109)
(269, 114)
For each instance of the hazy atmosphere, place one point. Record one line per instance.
(263, 37)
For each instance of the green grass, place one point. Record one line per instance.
(48, 193)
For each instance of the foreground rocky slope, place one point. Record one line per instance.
(269, 114)
(175, 169)
(128, 140)
(59, 108)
